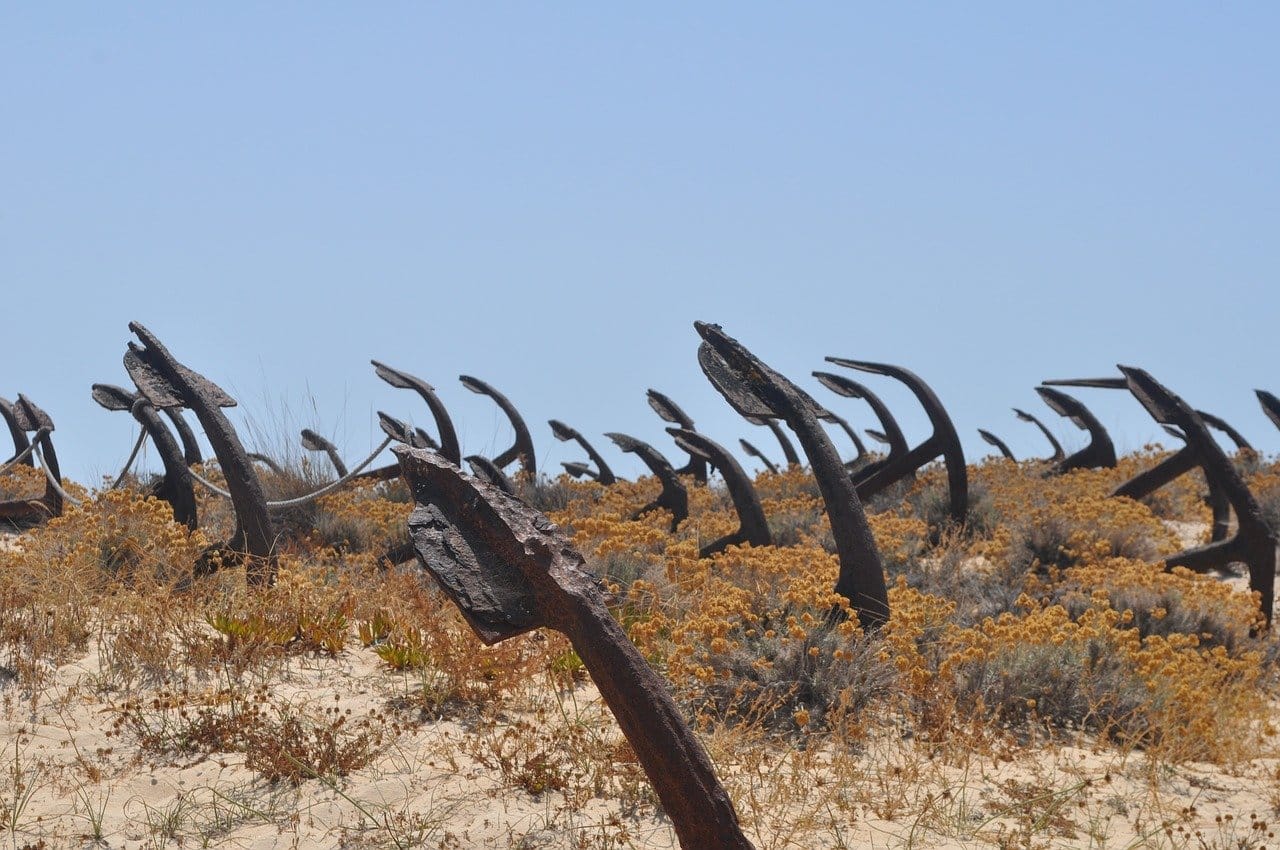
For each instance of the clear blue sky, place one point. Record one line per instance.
(547, 195)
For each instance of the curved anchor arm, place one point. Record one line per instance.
(449, 446)
(175, 488)
(944, 441)
(752, 451)
(21, 444)
(1058, 453)
(509, 570)
(1100, 452)
(167, 383)
(755, 390)
(669, 411)
(849, 388)
(314, 442)
(674, 497)
(998, 443)
(1254, 542)
(523, 446)
(191, 453)
(753, 528)
(563, 433)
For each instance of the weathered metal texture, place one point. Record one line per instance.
(669, 411)
(1270, 406)
(602, 472)
(488, 470)
(167, 383)
(176, 486)
(509, 570)
(1254, 542)
(449, 446)
(191, 453)
(944, 442)
(752, 451)
(674, 497)
(755, 390)
(1058, 453)
(314, 442)
(20, 441)
(788, 450)
(523, 446)
(891, 435)
(1099, 453)
(267, 461)
(753, 528)
(998, 443)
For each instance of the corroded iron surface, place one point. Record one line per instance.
(509, 570)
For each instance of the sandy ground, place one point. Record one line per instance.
(67, 781)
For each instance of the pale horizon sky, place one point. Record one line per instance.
(547, 197)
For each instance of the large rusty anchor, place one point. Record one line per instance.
(510, 570)
(522, 449)
(755, 390)
(601, 473)
(1255, 541)
(1100, 452)
(1167, 470)
(176, 486)
(674, 497)
(944, 442)
(166, 383)
(28, 417)
(669, 411)
(753, 528)
(449, 446)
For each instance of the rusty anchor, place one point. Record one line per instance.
(669, 411)
(601, 473)
(674, 497)
(753, 528)
(523, 446)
